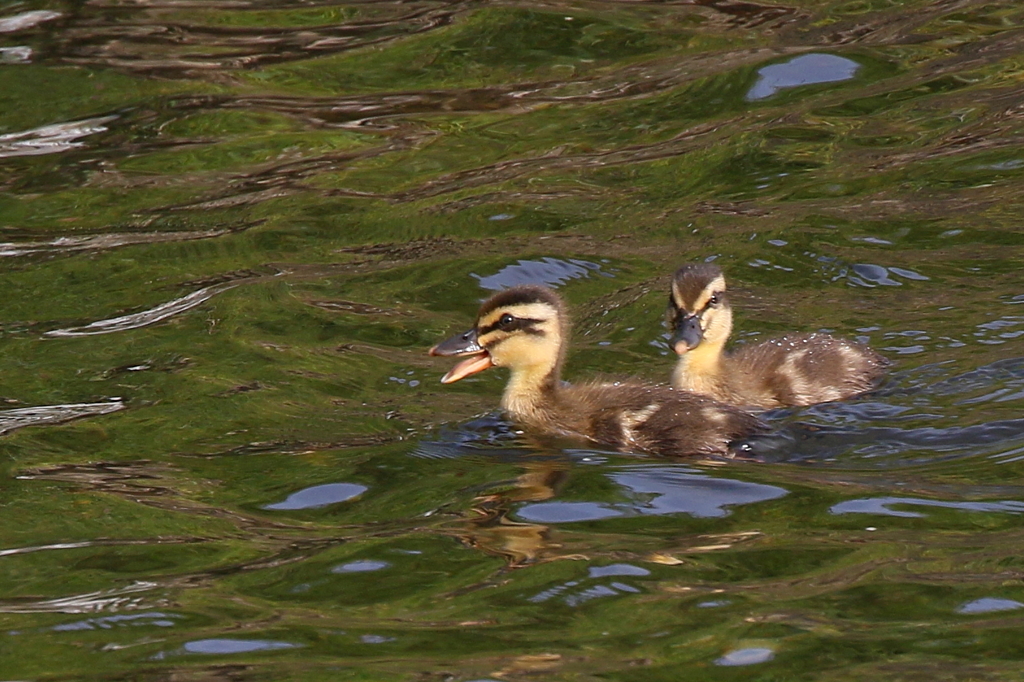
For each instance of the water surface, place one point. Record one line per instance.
(230, 231)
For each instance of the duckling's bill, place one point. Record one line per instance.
(463, 344)
(687, 334)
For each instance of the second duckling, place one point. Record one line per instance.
(792, 370)
(525, 328)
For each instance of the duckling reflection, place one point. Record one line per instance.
(525, 328)
(521, 543)
(792, 370)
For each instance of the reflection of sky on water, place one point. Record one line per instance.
(361, 566)
(616, 569)
(319, 496)
(656, 491)
(156, 618)
(871, 275)
(880, 505)
(806, 69)
(989, 605)
(550, 271)
(868, 275)
(221, 646)
(576, 592)
(746, 656)
(376, 639)
(235, 646)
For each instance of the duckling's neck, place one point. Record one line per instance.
(530, 390)
(700, 369)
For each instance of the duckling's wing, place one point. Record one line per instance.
(662, 420)
(692, 424)
(804, 369)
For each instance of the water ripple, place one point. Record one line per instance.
(141, 40)
(90, 602)
(19, 54)
(51, 139)
(101, 241)
(26, 20)
(885, 443)
(163, 620)
(146, 317)
(53, 414)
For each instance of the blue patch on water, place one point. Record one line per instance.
(567, 512)
(908, 274)
(989, 605)
(156, 618)
(807, 69)
(362, 566)
(623, 587)
(749, 656)
(577, 592)
(375, 639)
(235, 646)
(880, 505)
(550, 271)
(675, 490)
(319, 496)
(595, 592)
(616, 569)
(871, 275)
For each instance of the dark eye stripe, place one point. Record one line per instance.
(518, 324)
(682, 310)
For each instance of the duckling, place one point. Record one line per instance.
(525, 328)
(795, 369)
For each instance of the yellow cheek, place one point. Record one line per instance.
(521, 350)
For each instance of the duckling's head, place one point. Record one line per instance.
(698, 309)
(520, 328)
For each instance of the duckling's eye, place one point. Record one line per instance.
(506, 321)
(713, 301)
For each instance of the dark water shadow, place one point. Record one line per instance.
(888, 447)
(848, 432)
